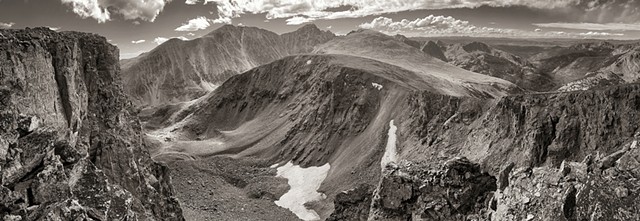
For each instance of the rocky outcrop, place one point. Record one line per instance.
(458, 190)
(530, 130)
(70, 149)
(598, 188)
(455, 190)
(407, 41)
(353, 204)
(179, 70)
(433, 49)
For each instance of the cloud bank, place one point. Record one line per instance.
(593, 26)
(6, 25)
(104, 10)
(160, 40)
(432, 25)
(300, 11)
(449, 26)
(195, 24)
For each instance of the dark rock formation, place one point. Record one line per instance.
(433, 49)
(458, 190)
(530, 130)
(408, 41)
(353, 204)
(183, 70)
(606, 189)
(69, 147)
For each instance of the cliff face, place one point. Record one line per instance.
(179, 70)
(530, 130)
(69, 146)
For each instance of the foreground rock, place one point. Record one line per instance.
(69, 147)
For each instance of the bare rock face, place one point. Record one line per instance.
(69, 147)
(353, 204)
(604, 188)
(434, 50)
(458, 190)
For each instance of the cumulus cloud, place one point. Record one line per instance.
(298, 20)
(450, 26)
(195, 24)
(160, 40)
(431, 25)
(138, 42)
(594, 26)
(6, 25)
(300, 11)
(104, 10)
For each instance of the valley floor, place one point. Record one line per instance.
(221, 188)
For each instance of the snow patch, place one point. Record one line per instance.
(274, 166)
(304, 183)
(390, 153)
(377, 86)
(309, 62)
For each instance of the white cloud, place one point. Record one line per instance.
(329, 27)
(593, 33)
(449, 26)
(6, 25)
(160, 40)
(191, 34)
(195, 24)
(432, 25)
(103, 10)
(298, 20)
(53, 28)
(593, 26)
(138, 42)
(305, 10)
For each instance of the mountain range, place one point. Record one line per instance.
(247, 124)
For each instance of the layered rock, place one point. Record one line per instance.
(179, 70)
(69, 146)
(529, 130)
(458, 190)
(598, 188)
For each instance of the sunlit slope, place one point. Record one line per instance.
(445, 78)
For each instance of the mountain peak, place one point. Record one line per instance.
(476, 46)
(310, 26)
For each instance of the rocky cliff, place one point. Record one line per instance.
(183, 70)
(70, 149)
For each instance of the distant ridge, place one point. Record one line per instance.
(180, 70)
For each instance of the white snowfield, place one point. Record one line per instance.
(377, 86)
(390, 152)
(304, 183)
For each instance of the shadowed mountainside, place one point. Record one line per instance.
(70, 149)
(179, 70)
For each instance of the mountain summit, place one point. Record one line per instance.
(183, 70)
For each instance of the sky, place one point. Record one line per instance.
(137, 26)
